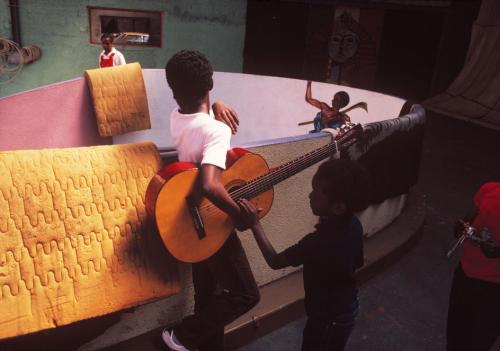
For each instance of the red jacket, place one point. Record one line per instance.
(474, 263)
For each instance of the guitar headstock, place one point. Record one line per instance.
(349, 131)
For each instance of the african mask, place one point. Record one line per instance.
(343, 45)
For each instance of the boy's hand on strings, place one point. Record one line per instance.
(249, 214)
(226, 115)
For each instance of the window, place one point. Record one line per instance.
(129, 27)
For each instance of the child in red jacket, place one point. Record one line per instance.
(110, 57)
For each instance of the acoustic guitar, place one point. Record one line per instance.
(191, 227)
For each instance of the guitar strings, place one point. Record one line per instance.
(266, 181)
(283, 171)
(262, 182)
(259, 184)
(278, 172)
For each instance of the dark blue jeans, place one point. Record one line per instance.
(224, 288)
(473, 313)
(332, 335)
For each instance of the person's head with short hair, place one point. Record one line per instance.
(340, 99)
(189, 75)
(339, 187)
(107, 42)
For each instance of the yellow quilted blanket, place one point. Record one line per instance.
(75, 241)
(119, 98)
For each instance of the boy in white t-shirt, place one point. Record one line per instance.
(224, 285)
(109, 56)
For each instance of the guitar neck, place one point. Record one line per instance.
(286, 170)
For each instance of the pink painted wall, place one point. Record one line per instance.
(57, 115)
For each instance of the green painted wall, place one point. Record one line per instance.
(4, 19)
(60, 28)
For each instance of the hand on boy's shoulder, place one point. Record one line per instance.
(226, 114)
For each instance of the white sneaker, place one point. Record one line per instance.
(169, 339)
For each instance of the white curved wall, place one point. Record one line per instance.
(268, 107)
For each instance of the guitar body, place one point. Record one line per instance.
(173, 200)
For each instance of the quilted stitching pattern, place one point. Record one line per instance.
(72, 235)
(119, 97)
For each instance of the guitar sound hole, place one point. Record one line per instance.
(233, 187)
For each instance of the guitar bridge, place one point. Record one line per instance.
(196, 217)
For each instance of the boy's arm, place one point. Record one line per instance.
(213, 189)
(119, 59)
(226, 115)
(250, 218)
(273, 259)
(309, 98)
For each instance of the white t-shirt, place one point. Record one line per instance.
(200, 138)
(118, 58)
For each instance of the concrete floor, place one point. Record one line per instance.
(405, 306)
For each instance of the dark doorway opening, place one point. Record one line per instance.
(275, 38)
(408, 51)
(287, 39)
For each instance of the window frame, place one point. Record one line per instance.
(96, 12)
